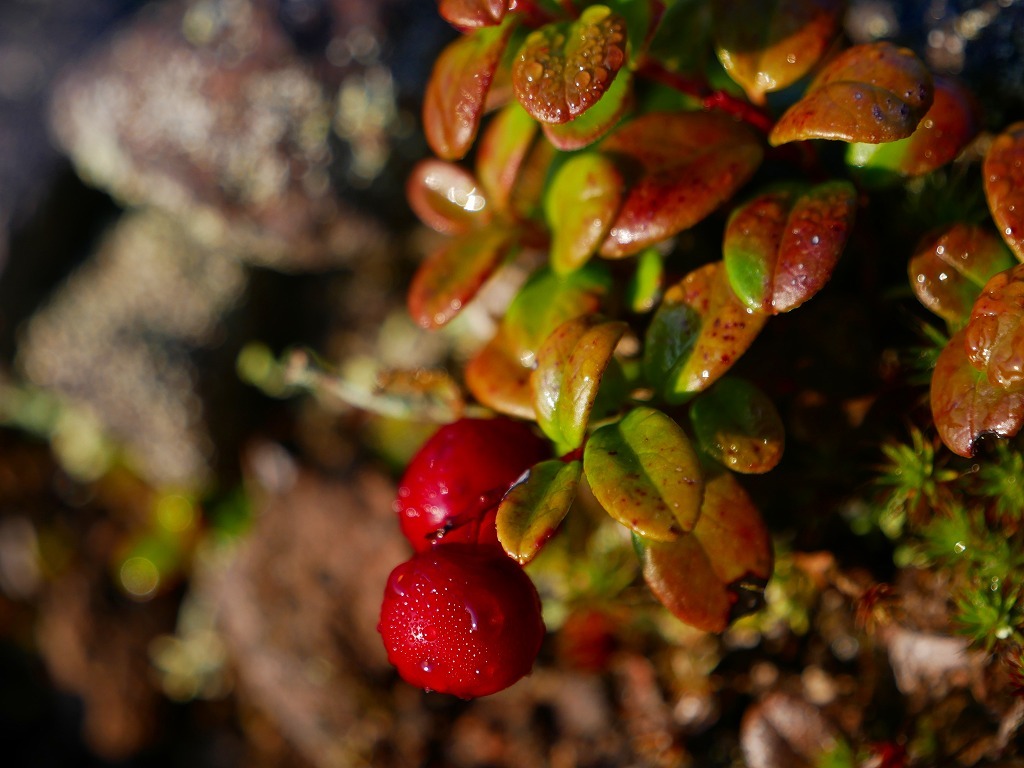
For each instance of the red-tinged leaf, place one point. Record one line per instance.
(563, 69)
(782, 731)
(446, 197)
(454, 102)
(570, 367)
(780, 249)
(738, 426)
(471, 14)
(502, 151)
(951, 122)
(527, 194)
(995, 334)
(1004, 186)
(718, 571)
(452, 275)
(689, 163)
(698, 332)
(581, 202)
(951, 265)
(965, 405)
(497, 378)
(776, 43)
(597, 121)
(870, 93)
(533, 509)
(646, 475)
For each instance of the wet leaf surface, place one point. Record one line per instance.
(950, 267)
(685, 165)
(869, 93)
(452, 275)
(995, 334)
(502, 151)
(709, 576)
(1003, 170)
(564, 68)
(454, 102)
(738, 426)
(783, 731)
(497, 378)
(446, 197)
(645, 473)
(532, 510)
(471, 14)
(581, 203)
(596, 121)
(781, 248)
(570, 367)
(965, 405)
(697, 333)
(777, 43)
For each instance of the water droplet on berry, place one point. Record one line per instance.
(427, 666)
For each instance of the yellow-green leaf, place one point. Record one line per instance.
(534, 508)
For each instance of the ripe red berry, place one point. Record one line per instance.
(461, 619)
(453, 484)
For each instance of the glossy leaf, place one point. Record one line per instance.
(471, 14)
(581, 203)
(645, 473)
(1004, 186)
(452, 275)
(965, 405)
(766, 45)
(562, 69)
(738, 426)
(644, 288)
(951, 122)
(570, 367)
(597, 121)
(698, 332)
(718, 571)
(995, 334)
(780, 248)
(502, 151)
(497, 378)
(454, 102)
(869, 93)
(950, 267)
(446, 197)
(688, 164)
(533, 509)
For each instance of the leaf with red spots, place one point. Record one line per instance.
(776, 43)
(697, 333)
(446, 197)
(581, 202)
(597, 121)
(1004, 186)
(645, 473)
(738, 426)
(685, 165)
(471, 14)
(780, 248)
(966, 405)
(503, 150)
(951, 122)
(454, 102)
(570, 366)
(534, 508)
(497, 378)
(950, 266)
(995, 334)
(870, 93)
(564, 68)
(452, 275)
(717, 572)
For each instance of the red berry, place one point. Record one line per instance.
(460, 619)
(452, 485)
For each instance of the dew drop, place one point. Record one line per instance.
(959, 547)
(582, 79)
(815, 240)
(427, 666)
(534, 71)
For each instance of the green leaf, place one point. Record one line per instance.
(570, 367)
(1003, 171)
(645, 473)
(644, 287)
(994, 338)
(563, 69)
(534, 508)
(581, 202)
(781, 248)
(737, 425)
(697, 333)
(687, 164)
(503, 149)
(870, 93)
(446, 197)
(597, 121)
